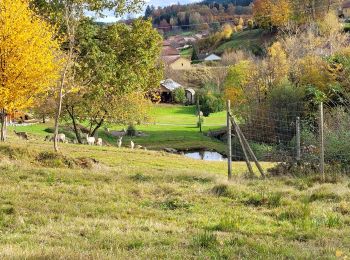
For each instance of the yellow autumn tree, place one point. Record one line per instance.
(281, 12)
(314, 71)
(272, 13)
(28, 63)
(277, 65)
(227, 31)
(237, 83)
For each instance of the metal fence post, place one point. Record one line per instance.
(321, 134)
(298, 152)
(229, 140)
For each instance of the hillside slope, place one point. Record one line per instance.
(129, 204)
(252, 40)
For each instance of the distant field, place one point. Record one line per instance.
(252, 40)
(171, 126)
(176, 127)
(187, 53)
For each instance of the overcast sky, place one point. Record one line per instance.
(110, 17)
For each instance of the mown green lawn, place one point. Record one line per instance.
(136, 204)
(170, 126)
(187, 53)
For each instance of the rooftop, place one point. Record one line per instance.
(170, 84)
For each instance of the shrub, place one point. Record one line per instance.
(52, 159)
(211, 99)
(337, 138)
(211, 103)
(180, 95)
(131, 131)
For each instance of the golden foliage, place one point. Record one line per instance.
(227, 31)
(315, 71)
(277, 64)
(28, 55)
(238, 79)
(272, 13)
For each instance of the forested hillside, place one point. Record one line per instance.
(200, 15)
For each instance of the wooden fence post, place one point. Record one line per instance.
(298, 152)
(229, 140)
(199, 116)
(243, 146)
(321, 124)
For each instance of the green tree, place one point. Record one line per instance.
(180, 95)
(194, 56)
(149, 11)
(67, 15)
(115, 80)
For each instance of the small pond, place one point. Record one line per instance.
(205, 155)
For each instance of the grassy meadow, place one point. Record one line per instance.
(94, 202)
(109, 203)
(251, 40)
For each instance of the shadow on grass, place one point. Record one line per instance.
(187, 110)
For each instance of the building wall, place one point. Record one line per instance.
(346, 12)
(190, 98)
(181, 64)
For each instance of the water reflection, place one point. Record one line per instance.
(206, 156)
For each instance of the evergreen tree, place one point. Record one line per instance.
(194, 56)
(149, 11)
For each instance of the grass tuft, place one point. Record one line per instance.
(14, 153)
(205, 239)
(221, 190)
(139, 177)
(295, 211)
(343, 208)
(324, 194)
(271, 199)
(174, 204)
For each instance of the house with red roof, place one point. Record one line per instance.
(345, 9)
(172, 58)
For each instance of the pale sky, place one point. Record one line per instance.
(110, 17)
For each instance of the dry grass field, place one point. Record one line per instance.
(109, 203)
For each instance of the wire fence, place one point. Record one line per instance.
(316, 136)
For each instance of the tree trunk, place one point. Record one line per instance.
(71, 35)
(44, 119)
(75, 127)
(3, 125)
(58, 114)
(97, 127)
